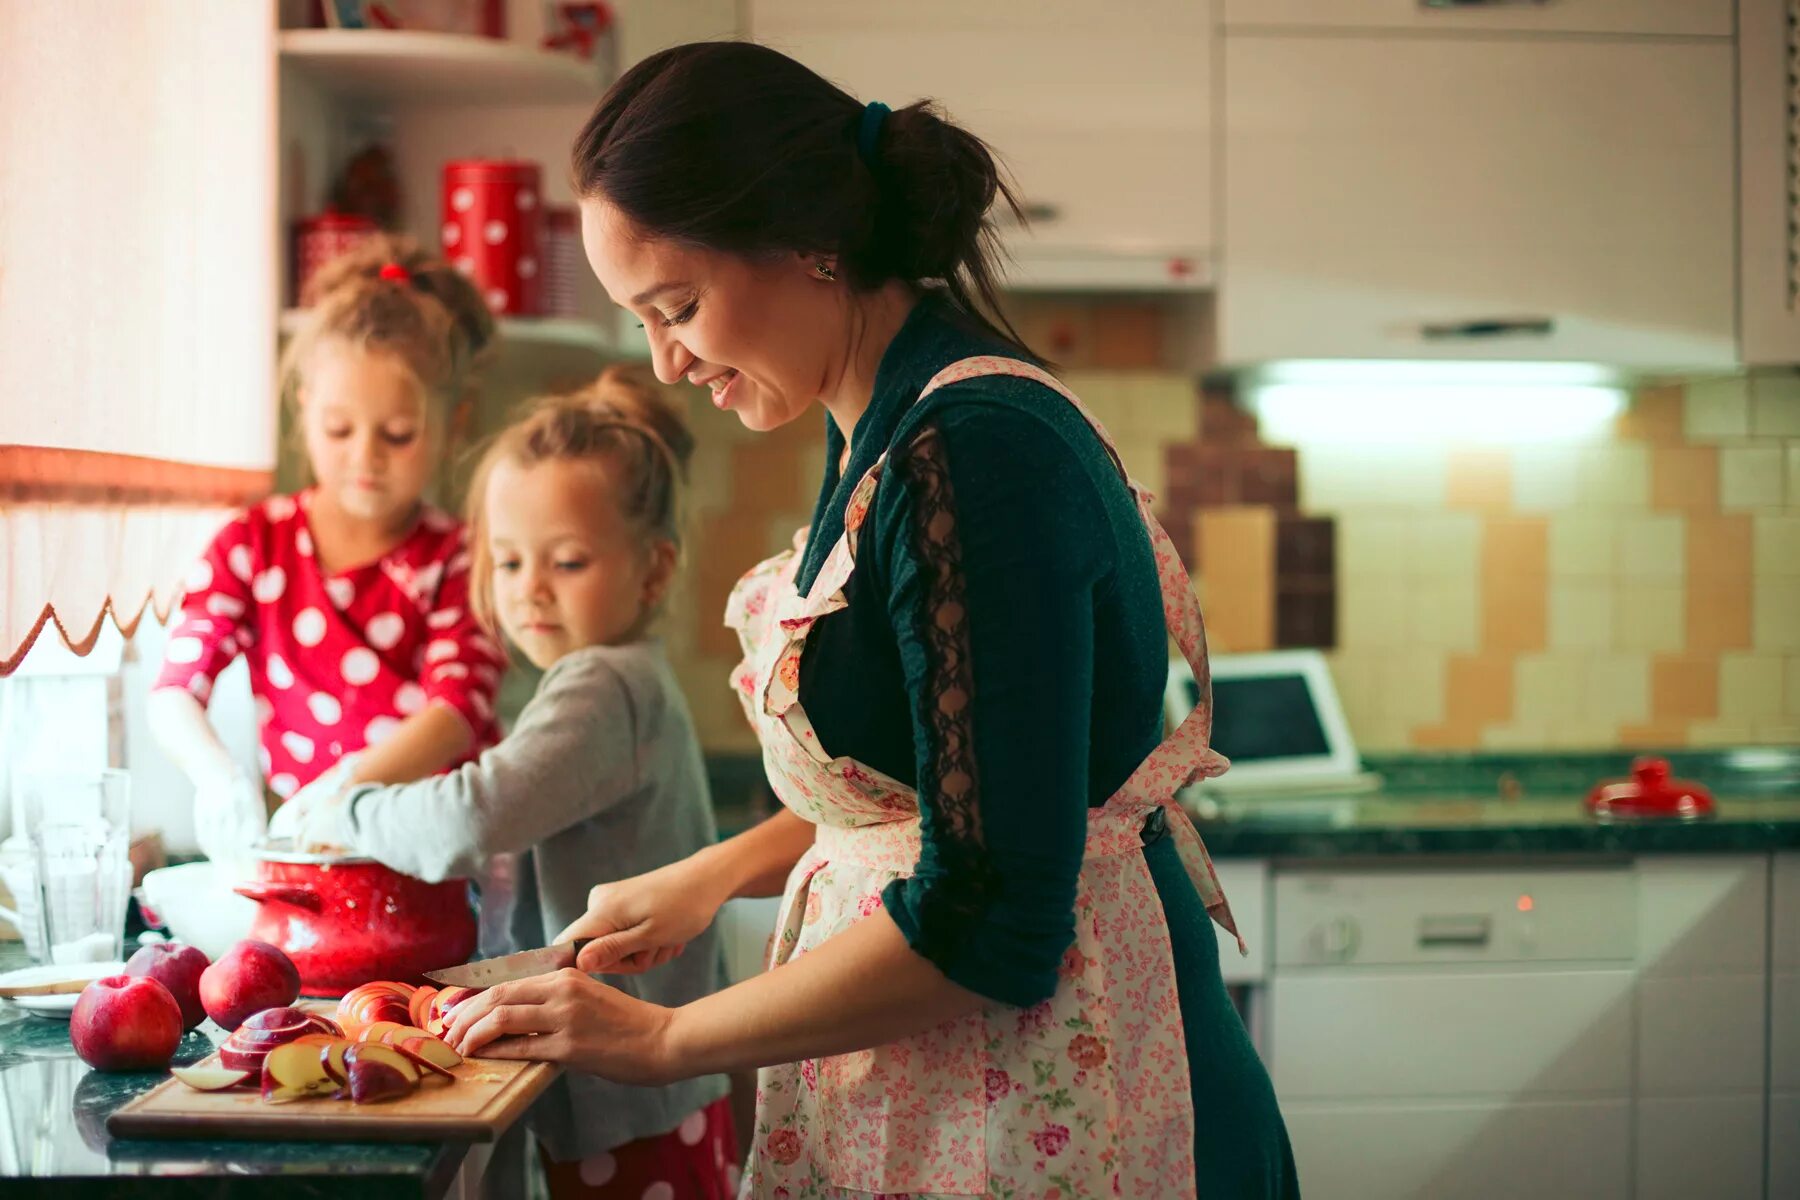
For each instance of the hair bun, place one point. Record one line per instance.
(631, 395)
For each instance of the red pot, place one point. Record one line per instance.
(349, 921)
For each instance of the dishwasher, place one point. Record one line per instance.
(1455, 1034)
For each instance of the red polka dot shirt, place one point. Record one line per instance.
(336, 662)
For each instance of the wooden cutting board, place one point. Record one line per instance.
(487, 1097)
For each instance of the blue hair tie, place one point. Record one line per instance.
(869, 132)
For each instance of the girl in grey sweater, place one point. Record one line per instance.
(575, 531)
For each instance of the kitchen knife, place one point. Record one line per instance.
(508, 967)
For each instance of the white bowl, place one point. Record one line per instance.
(197, 906)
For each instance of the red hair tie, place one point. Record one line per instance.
(396, 272)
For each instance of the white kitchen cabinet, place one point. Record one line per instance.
(1478, 197)
(1103, 115)
(1784, 1027)
(1768, 196)
(1702, 1043)
(1669, 17)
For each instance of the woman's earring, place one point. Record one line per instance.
(826, 271)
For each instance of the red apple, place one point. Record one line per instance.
(125, 1023)
(177, 967)
(247, 1045)
(252, 976)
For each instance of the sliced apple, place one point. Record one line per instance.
(315, 1039)
(209, 1079)
(427, 1068)
(377, 1031)
(436, 1050)
(294, 1070)
(331, 1057)
(418, 1007)
(326, 1025)
(379, 1072)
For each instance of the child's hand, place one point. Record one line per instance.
(642, 922)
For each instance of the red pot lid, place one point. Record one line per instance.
(1650, 793)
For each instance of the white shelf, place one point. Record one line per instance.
(401, 65)
(527, 331)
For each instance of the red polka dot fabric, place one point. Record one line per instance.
(336, 662)
(697, 1160)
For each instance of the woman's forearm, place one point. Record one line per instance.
(862, 988)
(756, 862)
(179, 725)
(423, 744)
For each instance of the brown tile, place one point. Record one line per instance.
(1478, 479)
(1478, 689)
(1683, 688)
(1238, 547)
(1269, 475)
(1718, 614)
(1655, 416)
(1514, 547)
(1127, 336)
(1201, 476)
(1515, 612)
(766, 475)
(1305, 546)
(1306, 614)
(1223, 422)
(725, 546)
(1684, 479)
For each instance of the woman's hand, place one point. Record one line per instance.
(570, 1018)
(644, 921)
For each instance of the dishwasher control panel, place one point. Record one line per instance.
(1401, 917)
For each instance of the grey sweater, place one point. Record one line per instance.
(601, 778)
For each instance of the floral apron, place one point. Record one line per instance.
(1086, 1094)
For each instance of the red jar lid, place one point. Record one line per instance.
(332, 220)
(470, 170)
(1650, 793)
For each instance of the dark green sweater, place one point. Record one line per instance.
(1064, 644)
(1003, 650)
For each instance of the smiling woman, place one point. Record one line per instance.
(991, 897)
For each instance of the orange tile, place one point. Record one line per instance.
(1655, 416)
(1684, 479)
(1719, 547)
(1445, 737)
(1718, 583)
(1478, 479)
(1514, 547)
(1718, 614)
(1656, 735)
(1127, 336)
(1238, 547)
(1478, 690)
(1683, 688)
(1515, 612)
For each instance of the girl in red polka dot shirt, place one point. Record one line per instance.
(349, 599)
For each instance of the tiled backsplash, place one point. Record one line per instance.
(1639, 589)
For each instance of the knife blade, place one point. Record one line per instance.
(508, 967)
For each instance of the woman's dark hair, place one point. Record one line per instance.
(736, 147)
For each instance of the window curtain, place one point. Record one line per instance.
(137, 300)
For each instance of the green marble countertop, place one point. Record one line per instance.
(1455, 804)
(53, 1139)
(1469, 824)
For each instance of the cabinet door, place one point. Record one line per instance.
(1687, 17)
(1769, 192)
(1392, 198)
(1784, 1028)
(1102, 115)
